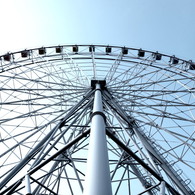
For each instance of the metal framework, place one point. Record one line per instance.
(96, 119)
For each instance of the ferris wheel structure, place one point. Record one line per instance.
(96, 119)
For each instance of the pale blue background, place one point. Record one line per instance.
(166, 26)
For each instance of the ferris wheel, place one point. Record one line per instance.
(79, 119)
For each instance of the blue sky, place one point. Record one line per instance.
(166, 26)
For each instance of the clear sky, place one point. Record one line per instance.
(166, 26)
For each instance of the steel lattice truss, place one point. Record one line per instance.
(46, 102)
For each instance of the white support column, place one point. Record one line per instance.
(27, 185)
(97, 179)
(162, 188)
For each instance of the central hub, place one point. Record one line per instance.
(102, 83)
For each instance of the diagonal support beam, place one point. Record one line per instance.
(67, 146)
(40, 145)
(12, 187)
(151, 150)
(135, 157)
(40, 184)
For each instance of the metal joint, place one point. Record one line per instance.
(98, 89)
(99, 113)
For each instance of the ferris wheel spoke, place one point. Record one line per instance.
(113, 68)
(44, 83)
(46, 105)
(40, 79)
(40, 97)
(145, 85)
(135, 70)
(135, 75)
(130, 87)
(175, 135)
(76, 69)
(187, 163)
(160, 103)
(23, 115)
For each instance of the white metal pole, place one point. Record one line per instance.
(97, 179)
(27, 186)
(162, 188)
